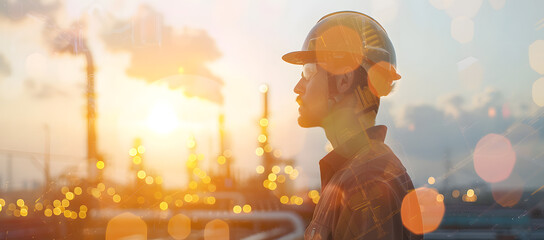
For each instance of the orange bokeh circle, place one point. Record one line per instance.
(339, 50)
(422, 211)
(507, 193)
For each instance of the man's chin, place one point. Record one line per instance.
(305, 123)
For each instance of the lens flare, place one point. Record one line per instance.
(126, 225)
(216, 230)
(179, 226)
(494, 158)
(422, 210)
(335, 39)
(507, 193)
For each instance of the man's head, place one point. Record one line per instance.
(346, 56)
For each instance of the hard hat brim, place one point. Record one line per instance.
(303, 57)
(300, 57)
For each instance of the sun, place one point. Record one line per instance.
(162, 118)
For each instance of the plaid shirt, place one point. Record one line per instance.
(361, 194)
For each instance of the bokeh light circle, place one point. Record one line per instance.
(462, 29)
(507, 193)
(380, 78)
(497, 4)
(179, 226)
(422, 210)
(126, 225)
(538, 92)
(494, 158)
(536, 56)
(334, 40)
(216, 230)
(441, 4)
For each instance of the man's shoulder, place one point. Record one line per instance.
(378, 164)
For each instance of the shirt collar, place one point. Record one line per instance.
(333, 161)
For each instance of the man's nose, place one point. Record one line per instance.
(299, 88)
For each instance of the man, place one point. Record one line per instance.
(348, 64)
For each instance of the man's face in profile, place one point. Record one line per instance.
(313, 92)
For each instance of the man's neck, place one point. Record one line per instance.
(342, 125)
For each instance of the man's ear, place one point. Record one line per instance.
(344, 81)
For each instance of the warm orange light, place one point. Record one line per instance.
(163, 206)
(313, 194)
(111, 191)
(70, 195)
(116, 198)
(421, 212)
(210, 200)
(431, 180)
(48, 212)
(281, 179)
(247, 208)
(491, 112)
(78, 190)
(132, 152)
(149, 180)
(65, 203)
(237, 209)
(263, 122)
(38, 206)
(455, 193)
(20, 202)
(262, 138)
(470, 192)
(179, 226)
(158, 180)
(141, 174)
(221, 160)
(100, 164)
(24, 212)
(216, 230)
(288, 169)
(193, 185)
(137, 160)
(117, 227)
(64, 190)
(272, 177)
(259, 151)
(260, 169)
(188, 197)
(284, 199)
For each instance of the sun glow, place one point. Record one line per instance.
(162, 118)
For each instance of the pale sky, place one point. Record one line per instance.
(43, 87)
